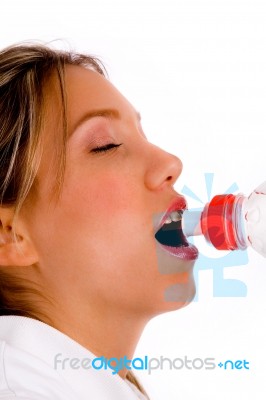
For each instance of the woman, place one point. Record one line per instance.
(83, 194)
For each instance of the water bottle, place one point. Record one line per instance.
(231, 222)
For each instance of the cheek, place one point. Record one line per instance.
(93, 219)
(94, 206)
(111, 216)
(108, 199)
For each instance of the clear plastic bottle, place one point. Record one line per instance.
(231, 222)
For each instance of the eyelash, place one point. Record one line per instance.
(104, 149)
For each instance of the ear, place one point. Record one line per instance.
(16, 247)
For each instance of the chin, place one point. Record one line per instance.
(174, 297)
(179, 295)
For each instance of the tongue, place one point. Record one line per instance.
(171, 235)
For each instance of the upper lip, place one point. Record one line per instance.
(178, 203)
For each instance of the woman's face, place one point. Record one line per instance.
(96, 242)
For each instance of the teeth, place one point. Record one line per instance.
(176, 216)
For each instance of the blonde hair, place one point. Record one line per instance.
(24, 70)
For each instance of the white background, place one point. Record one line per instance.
(196, 70)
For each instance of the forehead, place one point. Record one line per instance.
(87, 91)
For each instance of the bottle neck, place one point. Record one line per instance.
(222, 222)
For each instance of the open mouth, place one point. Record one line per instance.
(170, 233)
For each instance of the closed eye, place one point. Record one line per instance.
(105, 148)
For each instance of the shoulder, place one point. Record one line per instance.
(18, 371)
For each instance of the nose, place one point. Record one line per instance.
(163, 168)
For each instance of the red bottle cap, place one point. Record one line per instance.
(217, 222)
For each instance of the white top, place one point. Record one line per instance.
(27, 366)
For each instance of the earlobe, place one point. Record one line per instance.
(16, 248)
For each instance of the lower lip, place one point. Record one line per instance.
(183, 252)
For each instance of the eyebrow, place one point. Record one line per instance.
(107, 113)
(111, 113)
